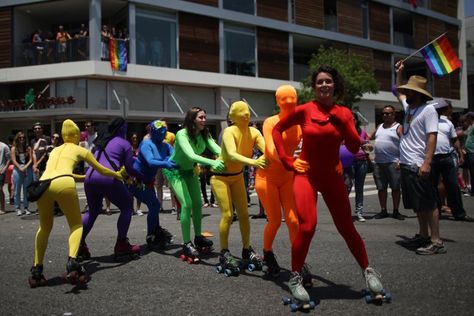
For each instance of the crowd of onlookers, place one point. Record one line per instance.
(42, 47)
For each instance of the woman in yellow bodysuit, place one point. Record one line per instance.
(238, 141)
(62, 190)
(274, 184)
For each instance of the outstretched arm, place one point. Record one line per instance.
(147, 153)
(89, 158)
(183, 141)
(233, 154)
(213, 147)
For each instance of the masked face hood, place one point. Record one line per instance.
(158, 131)
(70, 132)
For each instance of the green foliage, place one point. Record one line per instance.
(358, 76)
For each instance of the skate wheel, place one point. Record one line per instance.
(182, 258)
(219, 269)
(190, 260)
(227, 272)
(312, 304)
(388, 297)
(251, 267)
(72, 277)
(368, 298)
(32, 282)
(285, 300)
(293, 307)
(83, 279)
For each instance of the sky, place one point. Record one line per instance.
(468, 7)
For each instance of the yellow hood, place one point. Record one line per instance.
(70, 132)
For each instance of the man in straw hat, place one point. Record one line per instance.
(417, 147)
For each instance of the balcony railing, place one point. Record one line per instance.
(40, 103)
(50, 52)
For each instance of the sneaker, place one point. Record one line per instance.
(2, 212)
(173, 211)
(372, 280)
(416, 241)
(214, 205)
(397, 215)
(27, 211)
(297, 289)
(431, 249)
(360, 218)
(19, 212)
(139, 212)
(205, 205)
(466, 218)
(382, 214)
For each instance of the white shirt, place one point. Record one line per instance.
(415, 133)
(446, 132)
(387, 144)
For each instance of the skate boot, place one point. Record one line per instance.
(228, 264)
(123, 248)
(160, 239)
(307, 276)
(75, 272)
(83, 253)
(190, 254)
(270, 265)
(300, 298)
(375, 291)
(251, 260)
(37, 278)
(203, 245)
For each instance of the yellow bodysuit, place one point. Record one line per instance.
(238, 141)
(62, 161)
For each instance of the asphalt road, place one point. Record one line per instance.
(161, 284)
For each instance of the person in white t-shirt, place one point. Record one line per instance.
(417, 147)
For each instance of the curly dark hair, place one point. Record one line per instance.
(336, 77)
(191, 127)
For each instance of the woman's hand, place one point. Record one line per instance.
(217, 166)
(260, 162)
(301, 166)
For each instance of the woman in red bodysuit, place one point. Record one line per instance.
(324, 125)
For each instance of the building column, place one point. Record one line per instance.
(95, 21)
(132, 33)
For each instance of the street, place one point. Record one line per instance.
(161, 284)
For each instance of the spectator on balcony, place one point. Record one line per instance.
(38, 46)
(81, 38)
(62, 37)
(105, 36)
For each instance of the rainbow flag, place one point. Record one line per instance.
(118, 54)
(440, 56)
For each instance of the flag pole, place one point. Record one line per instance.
(413, 54)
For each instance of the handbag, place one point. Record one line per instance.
(36, 189)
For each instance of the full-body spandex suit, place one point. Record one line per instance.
(274, 184)
(119, 151)
(184, 181)
(323, 132)
(238, 141)
(62, 161)
(153, 155)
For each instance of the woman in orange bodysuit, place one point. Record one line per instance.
(325, 125)
(274, 184)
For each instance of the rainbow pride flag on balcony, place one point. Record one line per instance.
(118, 54)
(440, 56)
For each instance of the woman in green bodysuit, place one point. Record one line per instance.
(191, 141)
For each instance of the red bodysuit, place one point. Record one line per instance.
(323, 131)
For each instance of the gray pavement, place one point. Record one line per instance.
(160, 284)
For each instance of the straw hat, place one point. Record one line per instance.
(418, 84)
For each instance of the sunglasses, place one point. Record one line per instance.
(387, 113)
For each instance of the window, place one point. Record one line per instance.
(403, 28)
(244, 6)
(330, 15)
(75, 88)
(156, 38)
(137, 96)
(364, 5)
(96, 94)
(239, 55)
(180, 98)
(262, 103)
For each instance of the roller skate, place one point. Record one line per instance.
(190, 254)
(270, 265)
(160, 239)
(375, 292)
(307, 276)
(300, 300)
(83, 253)
(203, 245)
(251, 260)
(228, 264)
(123, 248)
(37, 278)
(75, 272)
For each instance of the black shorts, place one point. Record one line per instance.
(418, 193)
(2, 178)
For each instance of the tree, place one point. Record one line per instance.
(358, 76)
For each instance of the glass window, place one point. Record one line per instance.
(330, 15)
(97, 94)
(75, 88)
(364, 5)
(261, 103)
(180, 99)
(137, 96)
(244, 6)
(403, 28)
(239, 53)
(156, 38)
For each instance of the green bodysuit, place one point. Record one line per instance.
(183, 180)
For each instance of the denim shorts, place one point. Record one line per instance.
(386, 174)
(418, 193)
